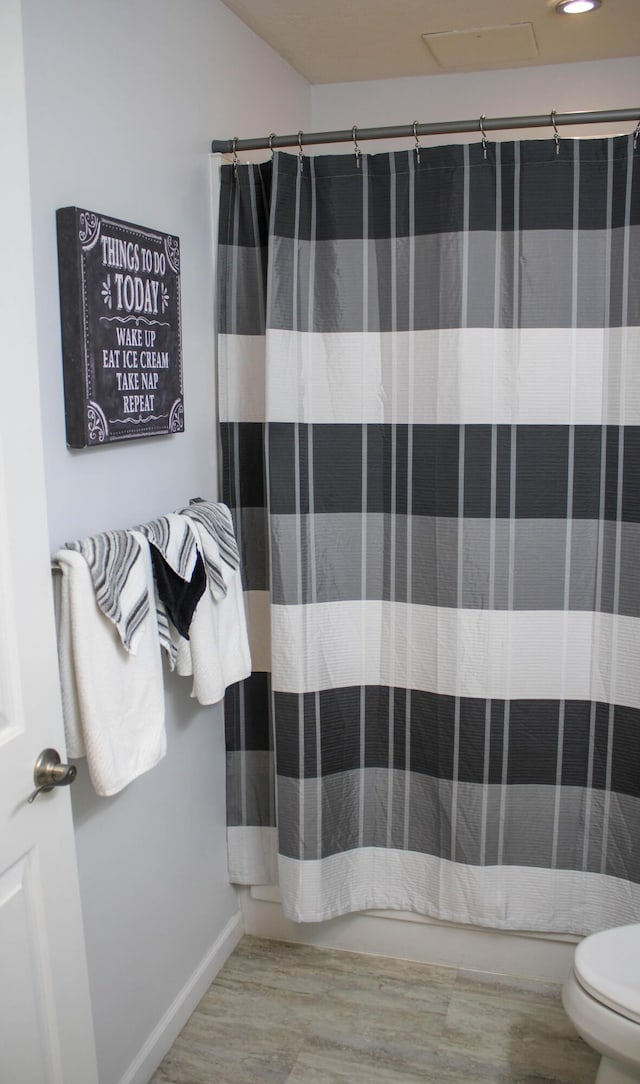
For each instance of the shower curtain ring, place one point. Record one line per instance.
(235, 157)
(417, 147)
(556, 135)
(300, 157)
(271, 139)
(354, 136)
(484, 135)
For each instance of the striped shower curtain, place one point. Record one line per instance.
(429, 384)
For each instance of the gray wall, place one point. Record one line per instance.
(123, 99)
(601, 84)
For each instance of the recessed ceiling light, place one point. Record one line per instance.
(577, 7)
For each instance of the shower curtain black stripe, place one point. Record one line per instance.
(431, 448)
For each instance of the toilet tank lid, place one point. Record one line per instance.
(607, 965)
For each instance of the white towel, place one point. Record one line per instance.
(70, 707)
(217, 653)
(113, 701)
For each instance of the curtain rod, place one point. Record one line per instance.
(443, 127)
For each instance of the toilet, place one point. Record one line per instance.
(602, 999)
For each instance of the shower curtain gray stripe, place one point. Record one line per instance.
(431, 449)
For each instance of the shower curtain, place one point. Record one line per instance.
(429, 390)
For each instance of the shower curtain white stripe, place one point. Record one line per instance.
(615, 645)
(570, 486)
(429, 885)
(597, 635)
(467, 362)
(460, 658)
(318, 647)
(409, 488)
(364, 362)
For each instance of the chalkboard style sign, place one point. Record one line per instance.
(120, 308)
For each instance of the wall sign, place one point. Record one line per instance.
(121, 347)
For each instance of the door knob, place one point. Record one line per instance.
(48, 773)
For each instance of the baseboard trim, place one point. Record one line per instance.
(171, 1024)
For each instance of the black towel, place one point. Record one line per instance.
(179, 596)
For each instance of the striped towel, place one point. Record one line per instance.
(174, 537)
(164, 633)
(214, 522)
(117, 570)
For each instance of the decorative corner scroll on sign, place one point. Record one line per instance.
(121, 342)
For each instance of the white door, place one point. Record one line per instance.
(46, 1032)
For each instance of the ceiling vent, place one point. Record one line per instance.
(483, 47)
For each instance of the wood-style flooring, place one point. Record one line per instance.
(281, 1013)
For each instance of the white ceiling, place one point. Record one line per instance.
(337, 41)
